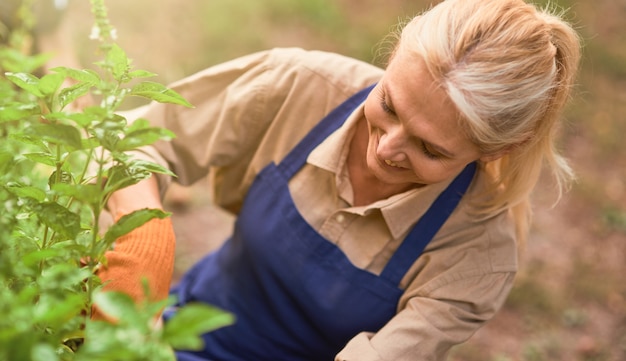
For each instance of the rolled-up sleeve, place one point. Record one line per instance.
(220, 126)
(431, 323)
(247, 112)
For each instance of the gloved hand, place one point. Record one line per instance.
(146, 252)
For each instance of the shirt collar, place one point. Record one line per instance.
(332, 152)
(400, 211)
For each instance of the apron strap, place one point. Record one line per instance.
(297, 157)
(425, 229)
(427, 226)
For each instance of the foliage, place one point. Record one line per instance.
(58, 168)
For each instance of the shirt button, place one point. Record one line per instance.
(340, 218)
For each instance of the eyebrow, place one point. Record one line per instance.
(435, 147)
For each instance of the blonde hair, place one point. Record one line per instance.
(509, 68)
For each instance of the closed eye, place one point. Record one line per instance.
(428, 153)
(386, 108)
(383, 104)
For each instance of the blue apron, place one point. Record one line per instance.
(295, 295)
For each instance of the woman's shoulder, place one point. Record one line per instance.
(346, 73)
(466, 250)
(277, 72)
(316, 59)
(471, 244)
(490, 242)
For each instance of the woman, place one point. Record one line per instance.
(388, 230)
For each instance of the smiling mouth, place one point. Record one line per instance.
(391, 163)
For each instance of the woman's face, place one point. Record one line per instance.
(414, 132)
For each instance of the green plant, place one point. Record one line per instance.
(58, 168)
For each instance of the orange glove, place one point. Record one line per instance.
(146, 252)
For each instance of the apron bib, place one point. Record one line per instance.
(295, 295)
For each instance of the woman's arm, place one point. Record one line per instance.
(146, 252)
(144, 194)
(430, 325)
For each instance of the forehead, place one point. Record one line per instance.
(421, 102)
(409, 82)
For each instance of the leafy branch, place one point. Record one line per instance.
(58, 168)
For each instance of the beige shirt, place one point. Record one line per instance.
(253, 110)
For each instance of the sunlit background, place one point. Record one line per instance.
(569, 299)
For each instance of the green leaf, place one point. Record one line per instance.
(70, 247)
(62, 279)
(44, 352)
(141, 137)
(27, 192)
(156, 308)
(141, 74)
(57, 133)
(13, 60)
(56, 116)
(120, 176)
(82, 119)
(6, 159)
(118, 61)
(149, 167)
(39, 255)
(29, 139)
(58, 177)
(26, 81)
(132, 221)
(59, 218)
(17, 112)
(106, 342)
(182, 331)
(54, 311)
(20, 347)
(90, 143)
(41, 157)
(65, 352)
(86, 193)
(107, 138)
(28, 294)
(84, 75)
(138, 124)
(70, 94)
(96, 112)
(49, 83)
(158, 92)
(117, 305)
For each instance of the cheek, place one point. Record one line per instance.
(372, 121)
(431, 172)
(372, 111)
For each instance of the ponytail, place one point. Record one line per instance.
(509, 68)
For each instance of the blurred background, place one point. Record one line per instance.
(569, 300)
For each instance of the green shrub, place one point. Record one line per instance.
(53, 166)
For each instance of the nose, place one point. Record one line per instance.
(391, 144)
